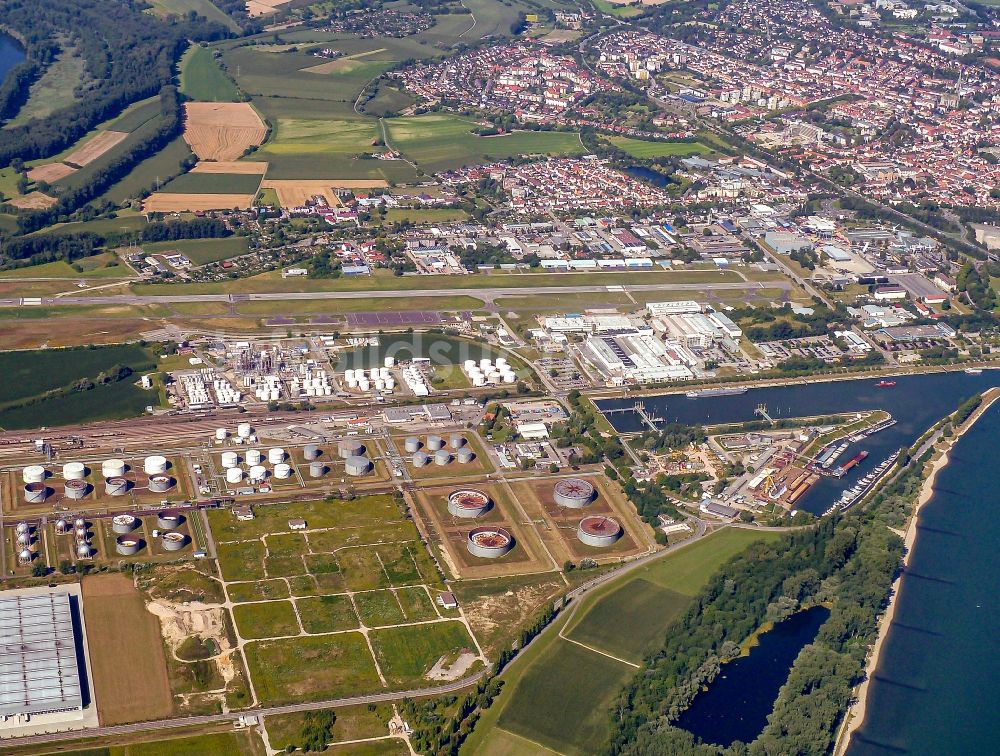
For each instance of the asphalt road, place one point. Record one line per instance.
(486, 294)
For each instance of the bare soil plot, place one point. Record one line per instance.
(34, 201)
(244, 168)
(133, 687)
(295, 193)
(222, 130)
(341, 65)
(94, 148)
(262, 7)
(163, 202)
(51, 172)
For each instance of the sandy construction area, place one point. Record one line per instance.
(96, 147)
(295, 193)
(246, 168)
(34, 201)
(51, 172)
(222, 130)
(166, 202)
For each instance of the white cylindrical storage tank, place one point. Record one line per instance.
(113, 468)
(243, 430)
(435, 442)
(465, 455)
(389, 362)
(352, 383)
(508, 377)
(276, 455)
(468, 502)
(478, 381)
(357, 465)
(456, 441)
(76, 488)
(74, 471)
(412, 444)
(253, 456)
(161, 483)
(116, 486)
(124, 523)
(574, 493)
(350, 447)
(234, 475)
(469, 364)
(33, 474)
(173, 541)
(35, 493)
(442, 457)
(317, 469)
(258, 474)
(230, 459)
(364, 384)
(310, 451)
(501, 362)
(221, 433)
(282, 471)
(379, 384)
(599, 531)
(420, 459)
(390, 383)
(154, 465)
(128, 545)
(485, 363)
(169, 520)
(490, 542)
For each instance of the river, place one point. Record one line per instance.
(916, 402)
(10, 55)
(738, 701)
(935, 690)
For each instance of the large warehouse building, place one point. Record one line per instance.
(39, 666)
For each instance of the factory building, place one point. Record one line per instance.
(39, 667)
(681, 307)
(634, 357)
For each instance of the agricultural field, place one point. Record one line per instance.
(558, 694)
(25, 401)
(641, 148)
(302, 596)
(167, 202)
(116, 619)
(201, 7)
(151, 172)
(438, 142)
(221, 130)
(425, 215)
(205, 182)
(203, 80)
(353, 723)
(104, 265)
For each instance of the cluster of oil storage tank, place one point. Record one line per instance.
(268, 389)
(379, 379)
(80, 531)
(352, 451)
(457, 448)
(25, 538)
(257, 473)
(225, 392)
(76, 487)
(312, 382)
(244, 432)
(487, 372)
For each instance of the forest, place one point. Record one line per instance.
(128, 55)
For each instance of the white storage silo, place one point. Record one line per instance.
(379, 384)
(74, 471)
(390, 383)
(33, 474)
(258, 474)
(230, 459)
(276, 455)
(253, 456)
(113, 468)
(221, 434)
(389, 362)
(282, 471)
(154, 465)
(243, 430)
(364, 384)
(234, 475)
